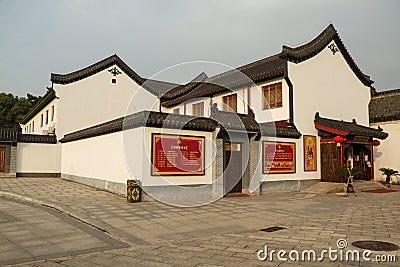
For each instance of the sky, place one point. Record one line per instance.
(41, 37)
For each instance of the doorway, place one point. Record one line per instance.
(330, 159)
(359, 156)
(233, 168)
(2, 158)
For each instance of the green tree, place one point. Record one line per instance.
(14, 108)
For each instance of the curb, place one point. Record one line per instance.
(36, 202)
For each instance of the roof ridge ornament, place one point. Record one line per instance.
(333, 48)
(114, 71)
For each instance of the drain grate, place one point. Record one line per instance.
(272, 229)
(376, 245)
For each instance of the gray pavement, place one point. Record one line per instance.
(30, 233)
(223, 233)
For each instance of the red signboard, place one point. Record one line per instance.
(177, 155)
(279, 157)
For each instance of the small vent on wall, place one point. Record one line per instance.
(113, 80)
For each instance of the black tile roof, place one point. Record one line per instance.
(264, 69)
(14, 135)
(270, 129)
(232, 121)
(46, 99)
(349, 128)
(385, 106)
(144, 118)
(247, 123)
(249, 74)
(157, 88)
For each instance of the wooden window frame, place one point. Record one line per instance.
(198, 109)
(47, 117)
(275, 90)
(229, 103)
(176, 111)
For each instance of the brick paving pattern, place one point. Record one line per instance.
(225, 233)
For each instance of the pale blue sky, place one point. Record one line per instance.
(40, 37)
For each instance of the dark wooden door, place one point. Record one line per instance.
(329, 161)
(2, 158)
(233, 168)
(361, 157)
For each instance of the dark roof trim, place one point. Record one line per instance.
(95, 68)
(36, 138)
(144, 119)
(315, 46)
(232, 121)
(385, 106)
(276, 130)
(46, 99)
(14, 135)
(212, 89)
(346, 128)
(157, 88)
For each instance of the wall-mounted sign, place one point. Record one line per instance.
(279, 157)
(310, 152)
(177, 155)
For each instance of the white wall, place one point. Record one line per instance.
(387, 154)
(300, 173)
(100, 157)
(326, 84)
(107, 157)
(38, 158)
(36, 120)
(96, 99)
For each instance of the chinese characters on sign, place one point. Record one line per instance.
(177, 155)
(310, 153)
(279, 157)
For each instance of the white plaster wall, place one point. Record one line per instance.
(95, 100)
(387, 154)
(275, 114)
(326, 84)
(101, 157)
(37, 119)
(300, 173)
(38, 158)
(120, 156)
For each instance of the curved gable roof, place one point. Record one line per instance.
(312, 48)
(155, 87)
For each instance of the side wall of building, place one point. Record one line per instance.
(387, 154)
(43, 120)
(40, 160)
(108, 161)
(326, 84)
(95, 99)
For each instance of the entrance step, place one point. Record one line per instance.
(7, 175)
(360, 185)
(322, 188)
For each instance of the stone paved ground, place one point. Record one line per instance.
(29, 233)
(221, 234)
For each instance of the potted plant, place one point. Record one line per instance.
(388, 172)
(348, 173)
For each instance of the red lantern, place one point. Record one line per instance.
(338, 140)
(377, 143)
